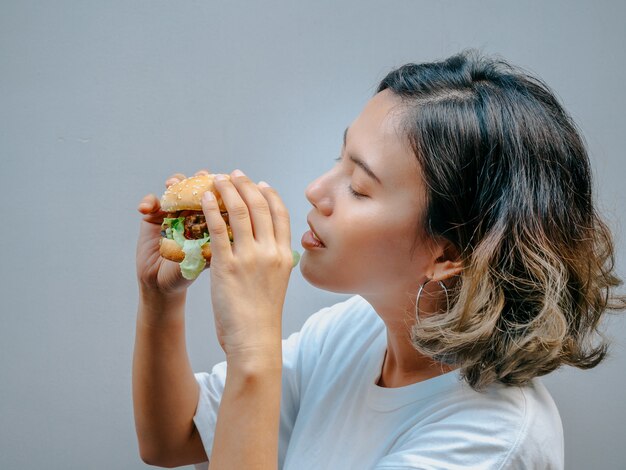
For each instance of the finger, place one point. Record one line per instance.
(150, 207)
(218, 231)
(238, 215)
(280, 214)
(149, 204)
(258, 208)
(175, 178)
(202, 172)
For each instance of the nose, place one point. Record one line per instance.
(319, 195)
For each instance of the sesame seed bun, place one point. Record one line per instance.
(187, 194)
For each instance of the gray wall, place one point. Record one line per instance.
(101, 101)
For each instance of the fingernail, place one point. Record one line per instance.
(208, 196)
(263, 184)
(237, 173)
(220, 177)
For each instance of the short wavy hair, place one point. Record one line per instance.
(509, 184)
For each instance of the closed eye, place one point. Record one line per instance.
(355, 194)
(352, 191)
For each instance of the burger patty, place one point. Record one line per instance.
(195, 226)
(195, 223)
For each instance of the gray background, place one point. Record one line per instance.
(101, 101)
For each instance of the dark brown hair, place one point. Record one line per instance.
(508, 183)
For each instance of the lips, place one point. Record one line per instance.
(315, 235)
(311, 239)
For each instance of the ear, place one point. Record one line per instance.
(446, 262)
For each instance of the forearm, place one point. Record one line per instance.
(165, 392)
(246, 434)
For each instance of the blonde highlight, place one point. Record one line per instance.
(509, 185)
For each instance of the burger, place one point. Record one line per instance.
(184, 233)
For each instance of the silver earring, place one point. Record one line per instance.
(419, 293)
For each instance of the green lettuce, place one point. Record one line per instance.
(296, 258)
(194, 262)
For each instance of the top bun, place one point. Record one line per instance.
(187, 194)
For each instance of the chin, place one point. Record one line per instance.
(318, 277)
(314, 276)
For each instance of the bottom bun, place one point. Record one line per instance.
(171, 250)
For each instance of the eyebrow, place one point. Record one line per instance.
(359, 162)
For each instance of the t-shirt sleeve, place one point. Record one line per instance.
(211, 390)
(487, 434)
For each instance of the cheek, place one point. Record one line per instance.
(380, 241)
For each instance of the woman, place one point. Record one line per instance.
(461, 214)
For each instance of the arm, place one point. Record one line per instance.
(165, 392)
(248, 286)
(246, 435)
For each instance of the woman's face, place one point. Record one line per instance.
(368, 239)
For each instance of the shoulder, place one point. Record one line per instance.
(342, 321)
(539, 439)
(502, 427)
(332, 339)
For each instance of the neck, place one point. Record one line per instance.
(403, 365)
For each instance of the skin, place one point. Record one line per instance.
(165, 393)
(371, 244)
(248, 285)
(372, 249)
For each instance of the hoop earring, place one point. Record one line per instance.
(419, 293)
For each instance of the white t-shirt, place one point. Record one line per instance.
(334, 416)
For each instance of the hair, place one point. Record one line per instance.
(509, 184)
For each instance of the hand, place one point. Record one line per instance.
(248, 278)
(155, 273)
